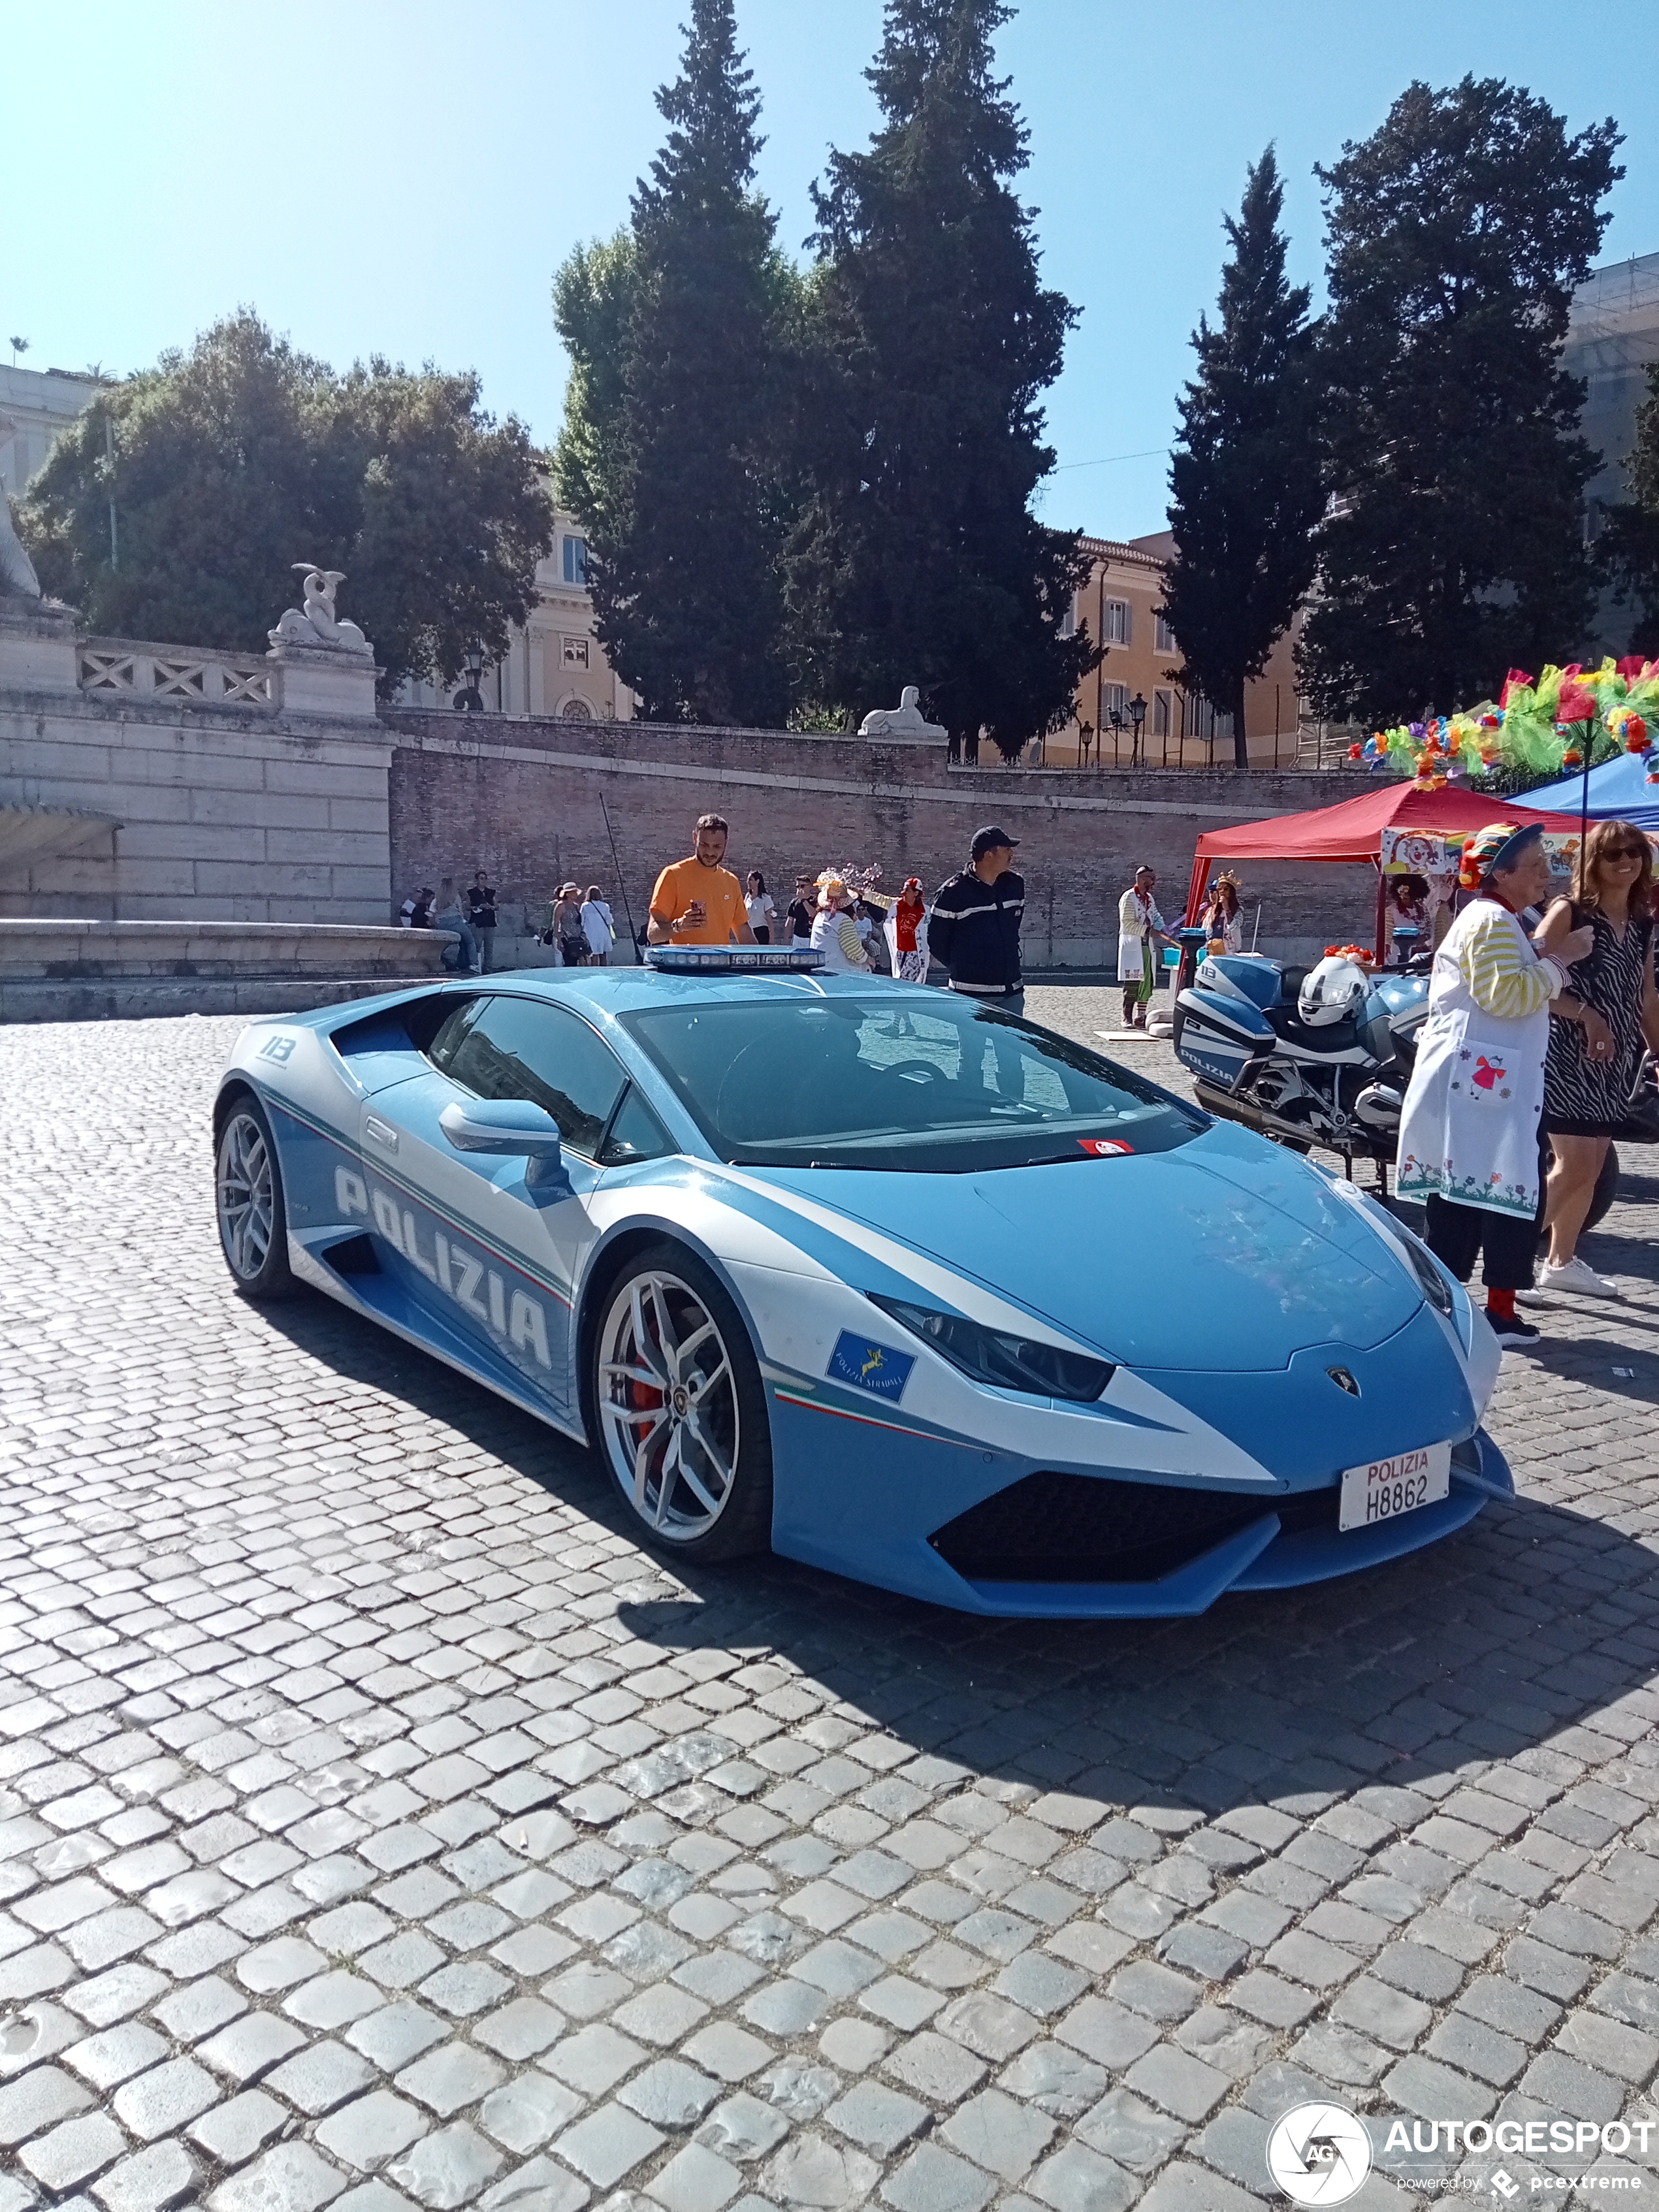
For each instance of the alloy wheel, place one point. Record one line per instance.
(245, 1196)
(668, 1405)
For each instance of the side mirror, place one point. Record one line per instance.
(511, 1127)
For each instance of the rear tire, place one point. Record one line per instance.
(680, 1413)
(248, 1183)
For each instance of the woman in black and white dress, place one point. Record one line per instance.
(1589, 1078)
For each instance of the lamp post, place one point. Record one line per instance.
(1085, 737)
(1137, 715)
(1115, 716)
(469, 699)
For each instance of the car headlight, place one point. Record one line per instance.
(1435, 1287)
(1012, 1363)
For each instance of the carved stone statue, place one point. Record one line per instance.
(904, 721)
(317, 624)
(17, 576)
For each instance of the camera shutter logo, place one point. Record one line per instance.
(1319, 2154)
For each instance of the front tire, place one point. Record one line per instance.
(681, 1409)
(248, 1199)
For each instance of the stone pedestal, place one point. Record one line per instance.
(324, 680)
(38, 641)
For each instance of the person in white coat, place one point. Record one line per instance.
(1140, 928)
(1471, 1130)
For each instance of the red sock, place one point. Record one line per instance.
(1501, 1305)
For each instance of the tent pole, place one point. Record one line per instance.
(1382, 896)
(1583, 817)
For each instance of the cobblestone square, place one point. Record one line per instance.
(380, 1827)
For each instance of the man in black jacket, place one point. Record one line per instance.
(973, 927)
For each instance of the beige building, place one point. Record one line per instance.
(36, 407)
(1121, 604)
(554, 664)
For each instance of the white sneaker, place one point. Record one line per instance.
(1577, 1277)
(1532, 1297)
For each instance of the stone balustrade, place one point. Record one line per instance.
(173, 675)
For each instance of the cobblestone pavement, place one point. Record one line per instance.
(379, 1825)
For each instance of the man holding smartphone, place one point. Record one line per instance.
(698, 901)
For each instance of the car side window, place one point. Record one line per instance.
(524, 1048)
(636, 1134)
(451, 1032)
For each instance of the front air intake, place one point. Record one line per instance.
(1096, 1528)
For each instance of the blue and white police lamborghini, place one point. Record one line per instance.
(893, 1282)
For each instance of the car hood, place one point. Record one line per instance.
(1227, 1252)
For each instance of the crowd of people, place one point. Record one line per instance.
(970, 928)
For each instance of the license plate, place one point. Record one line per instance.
(1383, 1489)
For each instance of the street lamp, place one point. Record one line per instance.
(469, 699)
(1085, 737)
(1115, 718)
(1137, 715)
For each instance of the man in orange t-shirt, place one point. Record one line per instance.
(698, 902)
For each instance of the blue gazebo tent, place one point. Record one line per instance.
(1619, 791)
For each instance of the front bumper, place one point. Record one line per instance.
(1265, 1556)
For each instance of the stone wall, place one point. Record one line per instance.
(270, 790)
(527, 800)
(239, 812)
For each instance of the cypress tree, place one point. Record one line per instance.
(1244, 480)
(669, 449)
(1455, 544)
(917, 558)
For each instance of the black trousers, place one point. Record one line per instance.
(1459, 1234)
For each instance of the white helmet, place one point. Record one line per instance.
(1337, 987)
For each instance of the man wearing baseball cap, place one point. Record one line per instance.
(974, 930)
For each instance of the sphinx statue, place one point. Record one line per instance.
(904, 721)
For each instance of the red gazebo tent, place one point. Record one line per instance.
(1352, 829)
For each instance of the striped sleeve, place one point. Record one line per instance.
(1502, 977)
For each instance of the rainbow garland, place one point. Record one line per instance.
(1544, 725)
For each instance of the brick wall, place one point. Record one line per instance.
(527, 800)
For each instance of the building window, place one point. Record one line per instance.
(575, 560)
(1162, 713)
(1068, 620)
(574, 653)
(1114, 622)
(1166, 636)
(1193, 715)
(1113, 700)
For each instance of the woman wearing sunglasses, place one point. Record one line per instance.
(1591, 1072)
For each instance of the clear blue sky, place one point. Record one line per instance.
(403, 178)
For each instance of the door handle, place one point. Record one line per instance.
(382, 1132)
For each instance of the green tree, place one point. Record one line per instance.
(1454, 545)
(238, 458)
(917, 558)
(669, 453)
(1245, 482)
(1629, 550)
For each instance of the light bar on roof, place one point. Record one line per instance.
(731, 959)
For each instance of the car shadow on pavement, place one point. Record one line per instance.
(1531, 1625)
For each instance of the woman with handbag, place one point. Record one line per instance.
(1589, 1081)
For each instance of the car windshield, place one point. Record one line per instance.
(800, 1080)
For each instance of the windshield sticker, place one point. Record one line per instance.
(869, 1366)
(1104, 1148)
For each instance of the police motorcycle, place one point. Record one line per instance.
(1323, 1055)
(1318, 1055)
